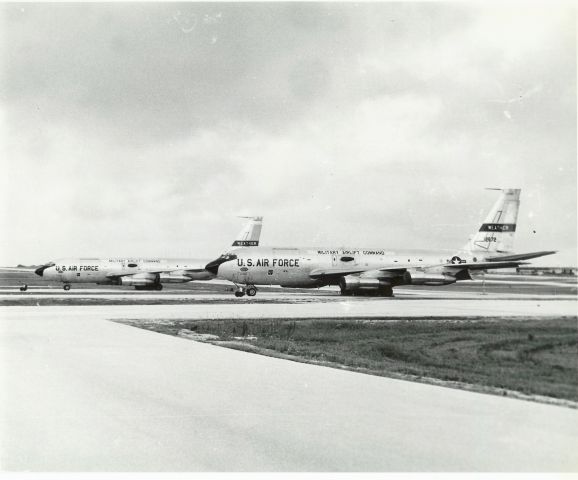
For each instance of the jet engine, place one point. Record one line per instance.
(364, 286)
(430, 278)
(177, 276)
(144, 279)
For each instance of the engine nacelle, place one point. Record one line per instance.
(140, 279)
(428, 278)
(173, 277)
(204, 275)
(352, 284)
(183, 276)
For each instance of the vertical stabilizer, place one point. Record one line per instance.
(496, 235)
(249, 236)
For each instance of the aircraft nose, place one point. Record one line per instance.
(213, 266)
(40, 270)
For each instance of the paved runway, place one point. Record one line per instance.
(303, 306)
(321, 296)
(83, 393)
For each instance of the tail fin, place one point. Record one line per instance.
(496, 235)
(249, 236)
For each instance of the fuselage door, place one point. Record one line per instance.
(242, 274)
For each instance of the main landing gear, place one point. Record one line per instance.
(23, 288)
(250, 290)
(66, 287)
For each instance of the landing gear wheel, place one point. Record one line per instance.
(251, 292)
(66, 288)
(239, 293)
(159, 286)
(23, 288)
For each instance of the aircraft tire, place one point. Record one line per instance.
(251, 292)
(159, 286)
(66, 288)
(23, 288)
(239, 293)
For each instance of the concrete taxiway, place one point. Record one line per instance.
(302, 306)
(80, 393)
(325, 296)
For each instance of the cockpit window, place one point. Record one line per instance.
(227, 257)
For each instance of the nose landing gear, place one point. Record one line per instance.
(66, 287)
(23, 288)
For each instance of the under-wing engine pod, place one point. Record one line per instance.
(351, 285)
(144, 279)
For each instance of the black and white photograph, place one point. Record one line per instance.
(288, 237)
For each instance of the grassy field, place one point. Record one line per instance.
(530, 356)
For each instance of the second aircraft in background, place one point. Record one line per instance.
(141, 273)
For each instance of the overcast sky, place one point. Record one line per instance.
(143, 129)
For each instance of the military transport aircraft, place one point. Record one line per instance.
(142, 273)
(375, 271)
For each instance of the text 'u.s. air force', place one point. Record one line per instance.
(266, 262)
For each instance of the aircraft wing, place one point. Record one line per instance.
(483, 265)
(157, 271)
(18, 269)
(520, 256)
(128, 274)
(395, 270)
(340, 272)
(337, 272)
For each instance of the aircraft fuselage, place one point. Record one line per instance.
(106, 271)
(293, 267)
